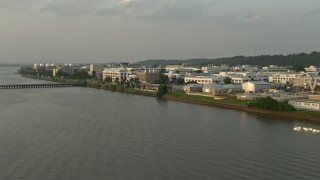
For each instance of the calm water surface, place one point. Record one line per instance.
(83, 133)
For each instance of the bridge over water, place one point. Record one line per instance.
(24, 86)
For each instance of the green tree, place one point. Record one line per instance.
(163, 79)
(298, 68)
(112, 87)
(116, 80)
(227, 80)
(162, 90)
(121, 87)
(199, 71)
(94, 74)
(271, 104)
(108, 79)
(180, 81)
(58, 73)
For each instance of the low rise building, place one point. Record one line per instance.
(148, 77)
(284, 77)
(245, 68)
(255, 86)
(242, 77)
(115, 73)
(212, 88)
(98, 68)
(211, 69)
(68, 69)
(274, 68)
(238, 80)
(204, 79)
(192, 88)
(312, 69)
(314, 97)
(307, 104)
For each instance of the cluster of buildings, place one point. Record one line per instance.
(126, 72)
(116, 72)
(251, 83)
(245, 81)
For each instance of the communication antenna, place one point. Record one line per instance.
(312, 84)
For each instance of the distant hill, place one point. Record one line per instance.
(302, 59)
(159, 61)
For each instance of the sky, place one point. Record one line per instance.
(133, 30)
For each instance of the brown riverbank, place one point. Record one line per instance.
(293, 115)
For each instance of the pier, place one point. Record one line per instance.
(24, 86)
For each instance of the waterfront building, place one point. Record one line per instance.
(124, 72)
(250, 96)
(306, 104)
(192, 88)
(114, 73)
(54, 71)
(213, 88)
(255, 86)
(39, 67)
(148, 76)
(233, 87)
(98, 68)
(68, 69)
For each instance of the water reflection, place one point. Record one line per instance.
(306, 129)
(243, 117)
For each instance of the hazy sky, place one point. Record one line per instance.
(132, 30)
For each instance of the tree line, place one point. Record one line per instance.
(300, 59)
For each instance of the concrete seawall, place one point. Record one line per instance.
(291, 115)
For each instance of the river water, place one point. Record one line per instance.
(83, 133)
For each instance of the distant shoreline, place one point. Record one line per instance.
(293, 115)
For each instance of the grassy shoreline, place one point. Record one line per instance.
(233, 103)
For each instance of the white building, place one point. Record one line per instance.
(124, 72)
(115, 73)
(255, 86)
(186, 70)
(312, 69)
(240, 80)
(214, 69)
(245, 68)
(283, 77)
(274, 68)
(204, 79)
(301, 104)
(242, 77)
